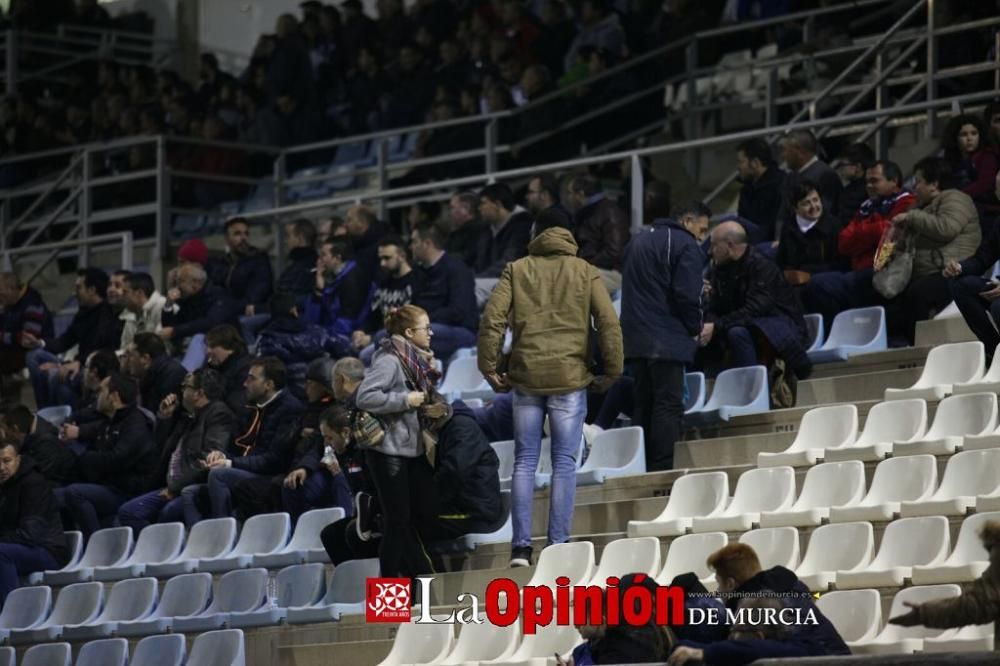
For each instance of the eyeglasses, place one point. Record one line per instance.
(421, 328)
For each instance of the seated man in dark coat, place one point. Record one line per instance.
(159, 375)
(31, 533)
(39, 440)
(243, 271)
(194, 306)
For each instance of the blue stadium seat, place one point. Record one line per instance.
(298, 585)
(858, 331)
(238, 592)
(186, 595)
(344, 595)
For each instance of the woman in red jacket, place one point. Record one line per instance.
(967, 144)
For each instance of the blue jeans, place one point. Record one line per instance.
(220, 482)
(143, 510)
(250, 326)
(46, 385)
(19, 560)
(319, 491)
(566, 413)
(89, 504)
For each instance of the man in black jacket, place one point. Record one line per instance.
(264, 445)
(466, 227)
(760, 197)
(365, 230)
(506, 238)
(24, 311)
(297, 276)
(31, 533)
(146, 361)
(244, 271)
(120, 464)
(445, 287)
(94, 327)
(185, 436)
(194, 306)
(394, 289)
(226, 352)
(39, 440)
(661, 317)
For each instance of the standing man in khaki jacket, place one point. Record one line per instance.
(552, 301)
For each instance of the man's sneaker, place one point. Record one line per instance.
(520, 556)
(366, 516)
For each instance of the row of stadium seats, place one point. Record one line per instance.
(215, 648)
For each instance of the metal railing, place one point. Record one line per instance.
(76, 247)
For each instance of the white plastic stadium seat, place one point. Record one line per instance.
(463, 380)
(218, 648)
(208, 539)
(166, 650)
(238, 591)
(971, 638)
(737, 391)
(505, 452)
(156, 544)
(757, 491)
(626, 556)
(107, 652)
(814, 329)
(298, 585)
(907, 542)
(690, 553)
(56, 415)
(482, 642)
(74, 543)
(695, 401)
(53, 654)
(614, 453)
(305, 545)
(836, 484)
(186, 595)
(129, 600)
(946, 365)
(967, 561)
(541, 646)
(832, 427)
(894, 639)
(887, 422)
(856, 614)
(856, 331)
(573, 559)
(969, 475)
(420, 644)
(691, 496)
(26, 607)
(896, 480)
(988, 383)
(833, 548)
(106, 548)
(957, 416)
(543, 474)
(344, 595)
(79, 603)
(775, 546)
(263, 534)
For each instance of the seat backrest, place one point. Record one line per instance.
(903, 479)
(131, 599)
(969, 414)
(484, 642)
(625, 556)
(827, 428)
(184, 595)
(764, 489)
(737, 386)
(301, 585)
(814, 330)
(857, 328)
(264, 533)
(954, 363)
(74, 544)
(25, 607)
(210, 538)
(911, 541)
(165, 650)
(107, 547)
(420, 643)
(838, 547)
(7, 656)
(615, 448)
(56, 415)
(695, 390)
(968, 545)
(856, 614)
(698, 495)
(505, 452)
(463, 375)
(51, 654)
(690, 553)
(107, 652)
(159, 542)
(916, 595)
(546, 641)
(218, 648)
(832, 484)
(775, 546)
(347, 584)
(573, 559)
(241, 591)
(970, 473)
(310, 524)
(77, 604)
(894, 421)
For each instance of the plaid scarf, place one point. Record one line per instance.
(421, 375)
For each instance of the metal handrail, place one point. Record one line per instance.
(56, 247)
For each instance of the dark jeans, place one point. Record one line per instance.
(320, 490)
(403, 486)
(922, 298)
(829, 294)
(341, 541)
(981, 315)
(620, 399)
(449, 339)
(221, 481)
(20, 560)
(659, 408)
(89, 504)
(152, 507)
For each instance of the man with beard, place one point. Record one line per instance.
(146, 360)
(226, 353)
(244, 271)
(394, 289)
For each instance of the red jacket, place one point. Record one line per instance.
(860, 238)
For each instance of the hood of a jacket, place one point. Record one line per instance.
(776, 579)
(553, 242)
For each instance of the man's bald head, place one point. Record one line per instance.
(729, 242)
(191, 279)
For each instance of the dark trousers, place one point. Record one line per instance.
(89, 504)
(981, 315)
(659, 408)
(16, 560)
(620, 399)
(922, 298)
(341, 541)
(320, 490)
(403, 486)
(829, 294)
(152, 507)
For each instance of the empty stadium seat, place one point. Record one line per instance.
(737, 391)
(53, 654)
(539, 647)
(957, 416)
(971, 638)
(463, 380)
(208, 540)
(886, 423)
(625, 556)
(298, 585)
(856, 614)
(695, 399)
(775, 546)
(832, 427)
(218, 648)
(573, 559)
(946, 365)
(896, 480)
(969, 475)
(894, 639)
(167, 650)
(129, 600)
(106, 548)
(691, 496)
(482, 642)
(614, 453)
(76, 604)
(7, 656)
(906, 543)
(238, 591)
(264, 534)
(967, 561)
(74, 544)
(157, 543)
(186, 595)
(344, 595)
(833, 548)
(56, 415)
(988, 383)
(505, 452)
(25, 607)
(757, 491)
(835, 484)
(420, 644)
(858, 331)
(107, 652)
(814, 332)
(690, 553)
(305, 545)
(543, 475)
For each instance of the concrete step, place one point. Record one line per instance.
(863, 364)
(331, 653)
(941, 331)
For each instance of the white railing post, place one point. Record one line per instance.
(637, 200)
(382, 174)
(491, 145)
(128, 258)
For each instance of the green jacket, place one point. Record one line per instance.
(550, 299)
(979, 603)
(947, 230)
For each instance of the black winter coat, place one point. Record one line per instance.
(198, 313)
(247, 278)
(466, 473)
(29, 314)
(28, 513)
(164, 377)
(125, 454)
(267, 436)
(308, 450)
(92, 328)
(814, 251)
(297, 277)
(54, 460)
(447, 290)
(209, 429)
(760, 201)
(234, 373)
(750, 287)
(493, 253)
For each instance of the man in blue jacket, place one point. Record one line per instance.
(661, 318)
(341, 298)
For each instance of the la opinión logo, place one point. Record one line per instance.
(387, 600)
